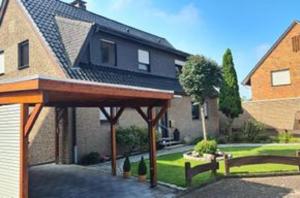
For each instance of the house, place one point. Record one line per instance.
(66, 41)
(275, 83)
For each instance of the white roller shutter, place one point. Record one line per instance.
(9, 151)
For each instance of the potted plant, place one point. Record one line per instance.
(207, 149)
(142, 171)
(126, 168)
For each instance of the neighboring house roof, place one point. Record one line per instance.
(56, 19)
(247, 80)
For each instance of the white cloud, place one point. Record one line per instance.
(262, 49)
(188, 14)
(119, 5)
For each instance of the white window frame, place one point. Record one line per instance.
(2, 62)
(281, 77)
(144, 56)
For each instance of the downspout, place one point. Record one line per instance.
(74, 136)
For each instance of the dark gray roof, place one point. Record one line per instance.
(73, 39)
(117, 76)
(44, 14)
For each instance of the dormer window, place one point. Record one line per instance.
(108, 52)
(178, 66)
(144, 60)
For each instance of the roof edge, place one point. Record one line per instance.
(246, 81)
(3, 9)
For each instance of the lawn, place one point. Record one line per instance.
(171, 167)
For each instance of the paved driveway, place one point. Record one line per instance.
(266, 187)
(53, 181)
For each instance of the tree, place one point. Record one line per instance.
(200, 79)
(230, 100)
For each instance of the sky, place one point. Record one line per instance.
(209, 27)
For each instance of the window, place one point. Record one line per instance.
(108, 52)
(178, 66)
(144, 60)
(196, 111)
(2, 64)
(23, 55)
(102, 116)
(281, 77)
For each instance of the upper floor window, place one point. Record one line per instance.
(23, 54)
(108, 52)
(282, 77)
(2, 64)
(178, 66)
(144, 60)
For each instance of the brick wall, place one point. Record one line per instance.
(275, 114)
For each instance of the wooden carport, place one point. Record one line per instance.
(39, 92)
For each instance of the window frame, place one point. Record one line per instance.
(198, 116)
(142, 63)
(115, 51)
(20, 55)
(280, 85)
(2, 53)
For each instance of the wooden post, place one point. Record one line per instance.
(214, 162)
(152, 141)
(24, 111)
(298, 155)
(113, 142)
(188, 178)
(227, 168)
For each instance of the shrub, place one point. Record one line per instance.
(285, 137)
(206, 146)
(126, 165)
(132, 138)
(142, 167)
(91, 158)
(252, 130)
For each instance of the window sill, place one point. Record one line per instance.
(23, 67)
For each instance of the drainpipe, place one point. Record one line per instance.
(74, 135)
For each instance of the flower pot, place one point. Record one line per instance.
(142, 178)
(126, 174)
(208, 157)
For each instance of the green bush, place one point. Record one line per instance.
(142, 167)
(252, 131)
(206, 146)
(126, 165)
(132, 138)
(285, 137)
(91, 158)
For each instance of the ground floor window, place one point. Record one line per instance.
(196, 111)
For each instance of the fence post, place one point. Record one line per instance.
(227, 170)
(188, 177)
(298, 155)
(214, 165)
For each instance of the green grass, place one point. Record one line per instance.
(171, 167)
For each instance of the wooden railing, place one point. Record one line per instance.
(252, 160)
(191, 172)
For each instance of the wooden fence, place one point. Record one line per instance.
(191, 172)
(252, 160)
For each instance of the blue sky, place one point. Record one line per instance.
(208, 27)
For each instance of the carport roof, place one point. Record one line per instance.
(77, 93)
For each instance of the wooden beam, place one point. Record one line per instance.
(32, 118)
(162, 111)
(108, 117)
(118, 115)
(24, 109)
(113, 142)
(29, 97)
(142, 113)
(152, 144)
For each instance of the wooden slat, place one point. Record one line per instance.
(118, 115)
(162, 111)
(152, 141)
(107, 116)
(142, 113)
(113, 142)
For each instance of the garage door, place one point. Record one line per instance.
(9, 151)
